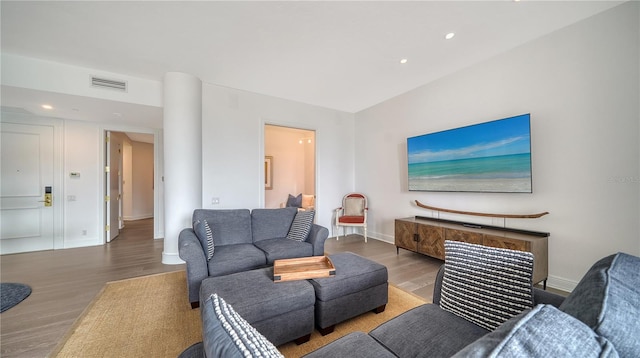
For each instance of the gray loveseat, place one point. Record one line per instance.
(242, 240)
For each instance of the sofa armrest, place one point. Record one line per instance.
(546, 297)
(437, 286)
(190, 250)
(317, 236)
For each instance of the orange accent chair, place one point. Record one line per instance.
(353, 212)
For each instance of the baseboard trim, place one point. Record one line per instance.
(560, 283)
(171, 259)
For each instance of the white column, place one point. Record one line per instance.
(182, 157)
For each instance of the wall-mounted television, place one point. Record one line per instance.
(493, 157)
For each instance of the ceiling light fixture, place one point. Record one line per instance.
(449, 36)
(47, 106)
(403, 61)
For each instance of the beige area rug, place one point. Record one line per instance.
(150, 317)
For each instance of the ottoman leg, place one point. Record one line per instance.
(326, 330)
(379, 309)
(303, 339)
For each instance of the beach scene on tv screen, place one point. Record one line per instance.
(488, 157)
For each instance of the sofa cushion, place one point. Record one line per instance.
(301, 225)
(235, 258)
(276, 249)
(427, 331)
(257, 297)
(205, 236)
(230, 226)
(294, 201)
(353, 345)
(227, 334)
(607, 299)
(354, 273)
(271, 223)
(486, 285)
(542, 332)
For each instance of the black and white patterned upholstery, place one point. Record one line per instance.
(301, 225)
(486, 285)
(205, 235)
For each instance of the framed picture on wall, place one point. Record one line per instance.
(268, 172)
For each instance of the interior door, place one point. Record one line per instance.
(112, 186)
(26, 194)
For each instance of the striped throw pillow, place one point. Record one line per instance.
(486, 285)
(205, 235)
(301, 225)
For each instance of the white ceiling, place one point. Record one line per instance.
(340, 55)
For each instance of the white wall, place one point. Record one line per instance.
(581, 86)
(142, 181)
(233, 148)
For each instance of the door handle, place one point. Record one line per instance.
(48, 197)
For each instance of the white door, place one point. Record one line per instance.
(26, 157)
(112, 187)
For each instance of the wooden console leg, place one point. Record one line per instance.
(303, 339)
(379, 309)
(327, 330)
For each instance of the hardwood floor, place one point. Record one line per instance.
(64, 282)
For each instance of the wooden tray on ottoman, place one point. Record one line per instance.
(303, 268)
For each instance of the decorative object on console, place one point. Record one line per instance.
(353, 212)
(487, 157)
(506, 216)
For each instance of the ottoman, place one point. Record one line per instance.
(282, 311)
(360, 285)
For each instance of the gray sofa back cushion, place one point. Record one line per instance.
(541, 332)
(229, 226)
(607, 299)
(271, 223)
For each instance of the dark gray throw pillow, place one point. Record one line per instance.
(294, 201)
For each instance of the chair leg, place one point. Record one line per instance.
(365, 234)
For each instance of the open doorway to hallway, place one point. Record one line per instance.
(290, 164)
(129, 180)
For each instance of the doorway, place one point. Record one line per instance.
(129, 180)
(290, 163)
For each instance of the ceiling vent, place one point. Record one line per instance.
(107, 83)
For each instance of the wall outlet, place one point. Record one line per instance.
(84, 232)
(215, 201)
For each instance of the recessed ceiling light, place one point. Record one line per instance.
(449, 36)
(47, 106)
(403, 61)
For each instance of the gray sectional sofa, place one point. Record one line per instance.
(223, 242)
(598, 319)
